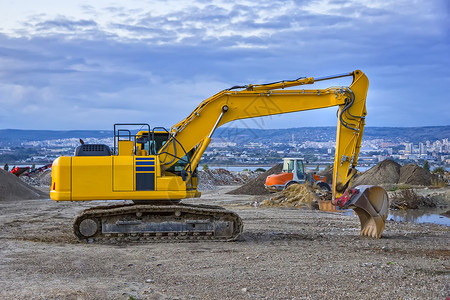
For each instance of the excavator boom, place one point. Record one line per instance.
(159, 166)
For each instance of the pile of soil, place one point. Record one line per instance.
(12, 188)
(210, 179)
(414, 175)
(295, 195)
(385, 172)
(220, 177)
(46, 177)
(390, 172)
(41, 179)
(255, 186)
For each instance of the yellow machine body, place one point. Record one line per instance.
(114, 178)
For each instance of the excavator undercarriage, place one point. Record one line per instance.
(154, 223)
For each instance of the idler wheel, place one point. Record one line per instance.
(88, 227)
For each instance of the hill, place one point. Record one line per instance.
(13, 137)
(323, 134)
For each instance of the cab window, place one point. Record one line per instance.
(300, 169)
(288, 166)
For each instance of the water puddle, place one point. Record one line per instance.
(431, 215)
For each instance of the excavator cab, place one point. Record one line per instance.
(295, 166)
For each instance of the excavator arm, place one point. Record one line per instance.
(252, 101)
(195, 132)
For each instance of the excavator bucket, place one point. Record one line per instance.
(371, 204)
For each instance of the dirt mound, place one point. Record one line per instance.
(385, 172)
(45, 177)
(210, 179)
(390, 172)
(294, 196)
(12, 188)
(414, 175)
(255, 186)
(220, 177)
(40, 179)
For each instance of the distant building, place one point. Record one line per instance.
(408, 148)
(222, 144)
(422, 149)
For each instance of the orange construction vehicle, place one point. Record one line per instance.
(294, 173)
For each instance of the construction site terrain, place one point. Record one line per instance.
(285, 252)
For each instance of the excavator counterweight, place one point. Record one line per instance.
(156, 168)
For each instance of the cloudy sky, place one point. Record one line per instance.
(88, 64)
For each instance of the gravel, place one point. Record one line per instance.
(282, 254)
(210, 179)
(11, 187)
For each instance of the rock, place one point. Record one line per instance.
(446, 214)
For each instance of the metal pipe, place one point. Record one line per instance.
(333, 76)
(224, 110)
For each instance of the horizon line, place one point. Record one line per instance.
(243, 128)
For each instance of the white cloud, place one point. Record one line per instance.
(156, 60)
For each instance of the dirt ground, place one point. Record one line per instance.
(283, 253)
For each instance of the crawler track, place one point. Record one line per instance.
(157, 223)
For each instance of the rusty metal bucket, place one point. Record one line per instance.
(371, 204)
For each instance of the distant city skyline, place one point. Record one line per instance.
(73, 65)
(266, 151)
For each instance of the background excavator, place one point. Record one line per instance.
(157, 168)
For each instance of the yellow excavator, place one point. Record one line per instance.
(157, 168)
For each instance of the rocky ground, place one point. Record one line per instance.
(283, 253)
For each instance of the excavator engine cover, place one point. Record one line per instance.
(371, 204)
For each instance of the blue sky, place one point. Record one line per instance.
(80, 65)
